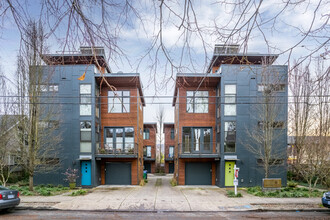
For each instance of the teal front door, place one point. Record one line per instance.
(86, 175)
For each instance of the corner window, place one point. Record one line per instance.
(230, 137)
(146, 134)
(197, 102)
(230, 100)
(118, 101)
(119, 140)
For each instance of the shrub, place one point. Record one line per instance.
(79, 192)
(292, 184)
(173, 182)
(253, 190)
(232, 194)
(145, 181)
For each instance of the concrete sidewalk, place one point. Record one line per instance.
(159, 195)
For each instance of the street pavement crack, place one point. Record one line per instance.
(126, 197)
(186, 199)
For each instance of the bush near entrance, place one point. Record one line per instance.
(40, 190)
(286, 192)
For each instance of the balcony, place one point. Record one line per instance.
(118, 150)
(191, 152)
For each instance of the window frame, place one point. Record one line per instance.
(228, 96)
(124, 144)
(192, 143)
(193, 103)
(226, 133)
(146, 134)
(124, 107)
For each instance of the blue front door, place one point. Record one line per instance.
(86, 177)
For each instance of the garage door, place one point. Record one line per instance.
(198, 174)
(118, 174)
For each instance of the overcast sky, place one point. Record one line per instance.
(138, 35)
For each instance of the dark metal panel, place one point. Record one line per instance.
(147, 166)
(171, 168)
(118, 173)
(198, 173)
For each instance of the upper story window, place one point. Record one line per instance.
(271, 88)
(172, 133)
(85, 136)
(197, 101)
(48, 88)
(118, 101)
(171, 152)
(196, 139)
(230, 100)
(120, 140)
(85, 99)
(146, 134)
(148, 151)
(230, 137)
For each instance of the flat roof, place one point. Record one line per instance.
(72, 59)
(241, 58)
(195, 80)
(122, 80)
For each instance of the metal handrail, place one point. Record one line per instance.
(114, 149)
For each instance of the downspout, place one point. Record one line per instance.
(138, 134)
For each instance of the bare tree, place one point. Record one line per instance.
(160, 117)
(264, 140)
(310, 123)
(40, 129)
(8, 124)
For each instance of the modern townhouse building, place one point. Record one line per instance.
(149, 147)
(169, 136)
(218, 112)
(101, 119)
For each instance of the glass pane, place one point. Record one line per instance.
(85, 147)
(126, 105)
(171, 152)
(186, 139)
(230, 89)
(197, 139)
(190, 104)
(148, 151)
(230, 99)
(126, 93)
(85, 125)
(119, 139)
(85, 89)
(85, 135)
(229, 147)
(85, 109)
(230, 126)
(230, 110)
(207, 139)
(85, 99)
(43, 88)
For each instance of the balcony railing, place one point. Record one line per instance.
(118, 149)
(185, 150)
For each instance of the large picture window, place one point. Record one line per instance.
(196, 139)
(119, 140)
(118, 101)
(230, 137)
(197, 101)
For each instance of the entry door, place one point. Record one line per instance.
(229, 173)
(86, 174)
(171, 168)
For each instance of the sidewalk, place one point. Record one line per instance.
(163, 197)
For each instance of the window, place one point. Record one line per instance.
(118, 101)
(146, 134)
(171, 152)
(53, 88)
(48, 88)
(85, 99)
(119, 140)
(271, 87)
(85, 136)
(197, 102)
(148, 151)
(230, 137)
(172, 133)
(196, 139)
(274, 124)
(97, 102)
(230, 100)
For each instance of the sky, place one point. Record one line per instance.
(136, 34)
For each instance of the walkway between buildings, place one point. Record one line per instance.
(159, 195)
